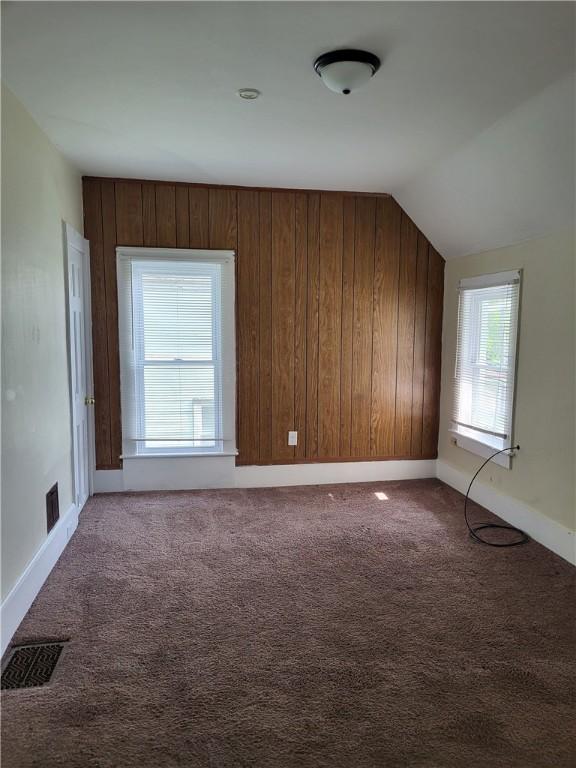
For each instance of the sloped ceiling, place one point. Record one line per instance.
(514, 181)
(469, 123)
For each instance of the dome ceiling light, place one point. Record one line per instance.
(346, 70)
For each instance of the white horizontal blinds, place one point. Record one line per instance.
(486, 357)
(172, 369)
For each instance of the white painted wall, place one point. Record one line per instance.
(543, 474)
(39, 190)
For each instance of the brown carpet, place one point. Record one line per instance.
(310, 626)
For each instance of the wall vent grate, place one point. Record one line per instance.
(52, 507)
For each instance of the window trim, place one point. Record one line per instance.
(226, 354)
(461, 435)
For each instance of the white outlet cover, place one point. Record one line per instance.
(292, 438)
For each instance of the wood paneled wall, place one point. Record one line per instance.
(339, 314)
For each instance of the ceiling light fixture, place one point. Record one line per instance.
(346, 70)
(248, 93)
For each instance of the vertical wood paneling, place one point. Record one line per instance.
(109, 242)
(283, 300)
(329, 324)
(405, 352)
(129, 213)
(199, 221)
(166, 216)
(300, 303)
(435, 297)
(182, 218)
(93, 232)
(362, 329)
(338, 314)
(149, 214)
(312, 321)
(384, 344)
(265, 238)
(419, 345)
(347, 326)
(223, 219)
(247, 331)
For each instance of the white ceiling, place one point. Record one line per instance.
(469, 122)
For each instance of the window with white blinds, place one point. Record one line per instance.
(176, 326)
(485, 367)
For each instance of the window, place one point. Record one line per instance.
(176, 313)
(482, 417)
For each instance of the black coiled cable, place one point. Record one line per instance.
(473, 529)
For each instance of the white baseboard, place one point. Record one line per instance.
(542, 529)
(159, 474)
(24, 592)
(272, 476)
(108, 481)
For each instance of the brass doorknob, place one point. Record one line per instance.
(89, 401)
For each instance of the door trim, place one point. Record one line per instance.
(72, 238)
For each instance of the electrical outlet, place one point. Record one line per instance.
(292, 438)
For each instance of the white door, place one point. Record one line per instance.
(80, 361)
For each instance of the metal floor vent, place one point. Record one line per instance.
(29, 666)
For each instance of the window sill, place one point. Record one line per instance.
(480, 449)
(204, 455)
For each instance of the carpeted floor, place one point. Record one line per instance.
(310, 626)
